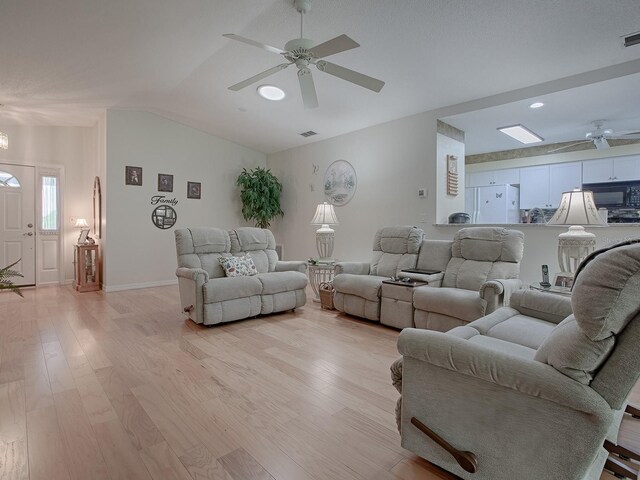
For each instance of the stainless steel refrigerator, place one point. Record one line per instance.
(493, 204)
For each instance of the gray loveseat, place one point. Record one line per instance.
(209, 297)
(534, 389)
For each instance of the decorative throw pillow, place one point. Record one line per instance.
(238, 266)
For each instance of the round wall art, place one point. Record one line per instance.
(340, 183)
(164, 217)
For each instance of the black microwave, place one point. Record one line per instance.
(615, 194)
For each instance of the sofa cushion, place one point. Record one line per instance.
(395, 249)
(229, 288)
(364, 286)
(503, 346)
(242, 266)
(522, 330)
(573, 353)
(606, 290)
(463, 304)
(277, 282)
(260, 242)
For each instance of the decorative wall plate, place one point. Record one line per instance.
(340, 183)
(164, 217)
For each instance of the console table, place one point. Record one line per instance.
(318, 274)
(397, 302)
(86, 276)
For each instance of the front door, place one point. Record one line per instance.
(17, 221)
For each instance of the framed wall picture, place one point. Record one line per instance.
(340, 183)
(193, 190)
(133, 175)
(164, 217)
(165, 182)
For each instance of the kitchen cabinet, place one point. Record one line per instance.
(507, 176)
(542, 186)
(620, 169)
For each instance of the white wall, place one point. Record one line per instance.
(392, 161)
(138, 254)
(73, 150)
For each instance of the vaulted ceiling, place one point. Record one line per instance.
(63, 61)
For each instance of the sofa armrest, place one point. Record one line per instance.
(433, 280)
(544, 305)
(498, 292)
(192, 274)
(191, 282)
(354, 268)
(528, 377)
(291, 266)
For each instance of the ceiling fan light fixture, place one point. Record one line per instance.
(521, 134)
(271, 92)
(535, 105)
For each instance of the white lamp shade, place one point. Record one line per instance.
(577, 208)
(325, 215)
(81, 223)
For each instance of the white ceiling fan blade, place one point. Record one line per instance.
(333, 46)
(568, 146)
(627, 135)
(264, 46)
(260, 76)
(308, 89)
(350, 75)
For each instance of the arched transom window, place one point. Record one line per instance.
(8, 180)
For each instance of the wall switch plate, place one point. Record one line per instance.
(422, 192)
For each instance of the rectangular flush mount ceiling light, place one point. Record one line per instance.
(522, 134)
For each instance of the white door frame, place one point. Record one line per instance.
(58, 170)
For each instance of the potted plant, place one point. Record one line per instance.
(5, 278)
(260, 195)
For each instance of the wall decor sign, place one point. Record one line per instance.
(340, 183)
(452, 175)
(165, 182)
(133, 175)
(193, 190)
(156, 199)
(164, 217)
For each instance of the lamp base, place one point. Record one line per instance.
(324, 243)
(573, 246)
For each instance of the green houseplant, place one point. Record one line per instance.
(5, 278)
(260, 195)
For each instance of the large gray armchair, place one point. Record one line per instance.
(481, 273)
(357, 284)
(531, 391)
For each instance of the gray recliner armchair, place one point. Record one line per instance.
(357, 284)
(533, 390)
(481, 273)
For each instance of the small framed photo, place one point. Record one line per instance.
(564, 281)
(193, 190)
(133, 175)
(165, 182)
(84, 233)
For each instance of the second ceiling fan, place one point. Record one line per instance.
(302, 53)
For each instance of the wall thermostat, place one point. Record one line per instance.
(422, 192)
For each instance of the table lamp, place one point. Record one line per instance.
(325, 216)
(577, 208)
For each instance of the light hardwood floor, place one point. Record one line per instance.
(121, 386)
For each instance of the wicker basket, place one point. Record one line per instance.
(326, 295)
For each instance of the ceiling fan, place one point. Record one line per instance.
(302, 52)
(599, 136)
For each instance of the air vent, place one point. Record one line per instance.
(310, 133)
(632, 40)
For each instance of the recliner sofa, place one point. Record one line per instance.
(531, 390)
(357, 284)
(209, 297)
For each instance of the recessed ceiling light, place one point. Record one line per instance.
(271, 92)
(522, 134)
(536, 105)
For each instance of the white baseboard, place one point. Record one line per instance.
(134, 286)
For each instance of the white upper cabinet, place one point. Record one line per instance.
(509, 176)
(542, 186)
(621, 169)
